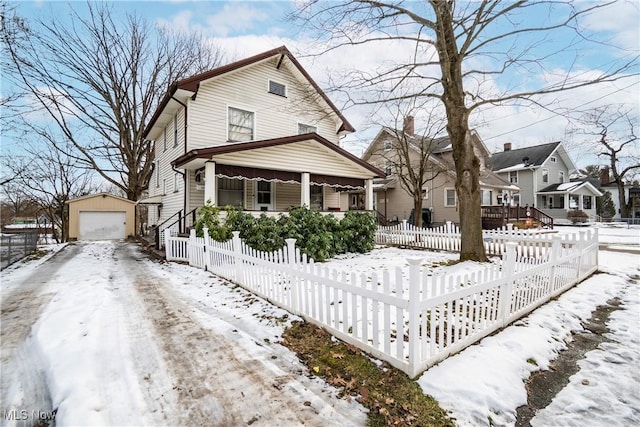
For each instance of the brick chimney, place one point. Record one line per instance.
(604, 176)
(507, 146)
(408, 126)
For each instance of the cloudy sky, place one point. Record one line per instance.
(244, 28)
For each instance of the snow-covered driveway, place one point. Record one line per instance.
(108, 337)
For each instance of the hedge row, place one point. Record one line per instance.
(318, 236)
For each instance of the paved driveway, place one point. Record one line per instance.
(101, 333)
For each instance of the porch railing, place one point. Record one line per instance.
(498, 216)
(179, 225)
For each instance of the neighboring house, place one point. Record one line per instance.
(632, 195)
(439, 194)
(542, 173)
(258, 134)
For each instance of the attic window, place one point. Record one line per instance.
(277, 88)
(552, 159)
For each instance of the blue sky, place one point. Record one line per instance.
(244, 28)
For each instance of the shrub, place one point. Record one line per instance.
(576, 216)
(318, 236)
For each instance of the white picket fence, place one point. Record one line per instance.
(447, 238)
(410, 320)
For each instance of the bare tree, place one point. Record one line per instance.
(51, 179)
(458, 49)
(410, 155)
(96, 83)
(613, 134)
(17, 203)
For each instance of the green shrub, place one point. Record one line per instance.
(318, 236)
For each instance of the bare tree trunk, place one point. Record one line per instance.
(466, 162)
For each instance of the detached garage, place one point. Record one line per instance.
(101, 216)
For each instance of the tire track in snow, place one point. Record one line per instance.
(22, 381)
(216, 380)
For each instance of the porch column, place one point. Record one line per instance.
(305, 189)
(210, 183)
(567, 200)
(368, 194)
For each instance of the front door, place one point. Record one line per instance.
(264, 195)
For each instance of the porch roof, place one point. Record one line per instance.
(298, 153)
(570, 187)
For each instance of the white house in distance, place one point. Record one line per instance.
(258, 134)
(542, 173)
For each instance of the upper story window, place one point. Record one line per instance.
(241, 125)
(175, 130)
(277, 88)
(513, 177)
(552, 159)
(164, 137)
(388, 169)
(302, 129)
(561, 177)
(387, 145)
(545, 175)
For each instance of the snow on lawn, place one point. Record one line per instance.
(485, 384)
(610, 234)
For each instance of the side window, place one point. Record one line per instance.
(450, 197)
(175, 130)
(241, 125)
(513, 177)
(545, 175)
(157, 173)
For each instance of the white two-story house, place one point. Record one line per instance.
(542, 173)
(258, 134)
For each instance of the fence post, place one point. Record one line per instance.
(168, 253)
(293, 283)
(553, 259)
(205, 253)
(237, 260)
(582, 244)
(192, 244)
(508, 270)
(414, 316)
(596, 241)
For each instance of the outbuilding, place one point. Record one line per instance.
(101, 216)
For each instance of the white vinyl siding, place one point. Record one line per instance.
(276, 116)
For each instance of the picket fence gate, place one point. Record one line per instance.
(413, 320)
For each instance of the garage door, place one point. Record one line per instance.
(102, 225)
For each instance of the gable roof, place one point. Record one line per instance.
(535, 155)
(570, 187)
(103, 194)
(191, 84)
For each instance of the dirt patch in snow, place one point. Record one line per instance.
(543, 386)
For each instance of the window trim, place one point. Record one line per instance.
(517, 177)
(164, 137)
(176, 182)
(157, 173)
(175, 130)
(284, 86)
(309, 126)
(253, 129)
(446, 199)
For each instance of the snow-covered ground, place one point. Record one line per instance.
(113, 338)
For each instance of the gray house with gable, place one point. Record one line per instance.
(542, 173)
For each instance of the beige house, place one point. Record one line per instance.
(101, 216)
(257, 134)
(394, 204)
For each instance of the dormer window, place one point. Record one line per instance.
(277, 88)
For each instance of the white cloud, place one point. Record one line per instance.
(235, 17)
